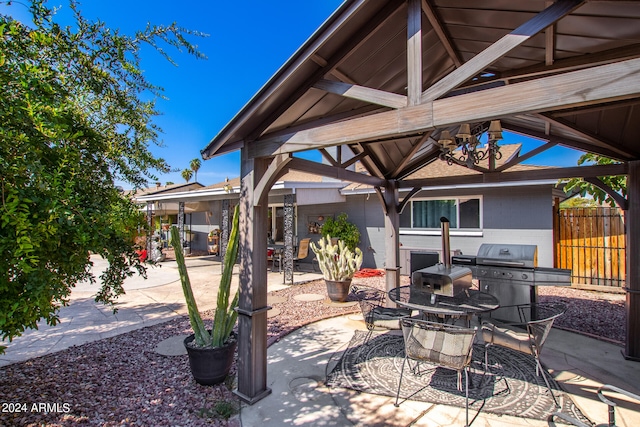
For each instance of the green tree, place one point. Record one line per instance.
(617, 183)
(340, 228)
(195, 167)
(579, 202)
(74, 121)
(187, 174)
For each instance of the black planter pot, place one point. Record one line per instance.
(338, 290)
(211, 366)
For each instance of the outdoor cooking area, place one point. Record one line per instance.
(509, 272)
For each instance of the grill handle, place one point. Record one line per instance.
(503, 263)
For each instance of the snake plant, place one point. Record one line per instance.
(225, 316)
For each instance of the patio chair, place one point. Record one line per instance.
(374, 312)
(610, 403)
(303, 251)
(536, 322)
(439, 344)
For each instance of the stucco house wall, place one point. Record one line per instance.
(521, 215)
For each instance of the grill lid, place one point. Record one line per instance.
(507, 255)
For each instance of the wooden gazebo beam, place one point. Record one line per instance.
(606, 83)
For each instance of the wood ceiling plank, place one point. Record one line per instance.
(501, 47)
(563, 124)
(345, 50)
(611, 152)
(408, 156)
(439, 30)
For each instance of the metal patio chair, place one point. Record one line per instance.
(528, 336)
(376, 315)
(610, 403)
(439, 344)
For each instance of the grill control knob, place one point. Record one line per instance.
(524, 276)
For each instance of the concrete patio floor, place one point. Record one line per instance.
(299, 362)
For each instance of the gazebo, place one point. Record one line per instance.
(392, 84)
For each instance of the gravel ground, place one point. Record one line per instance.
(121, 381)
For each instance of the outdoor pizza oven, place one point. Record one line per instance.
(510, 272)
(443, 278)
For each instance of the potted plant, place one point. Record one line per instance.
(338, 264)
(342, 229)
(214, 238)
(211, 351)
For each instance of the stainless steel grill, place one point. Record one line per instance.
(510, 273)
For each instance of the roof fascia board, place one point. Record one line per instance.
(371, 190)
(304, 53)
(520, 176)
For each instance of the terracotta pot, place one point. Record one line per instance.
(338, 290)
(210, 366)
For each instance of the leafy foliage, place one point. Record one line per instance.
(340, 228)
(225, 316)
(195, 167)
(617, 183)
(187, 174)
(73, 123)
(579, 202)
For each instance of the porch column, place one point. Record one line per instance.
(632, 346)
(391, 235)
(181, 223)
(252, 307)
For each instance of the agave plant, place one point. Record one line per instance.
(225, 316)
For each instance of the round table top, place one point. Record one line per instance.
(467, 302)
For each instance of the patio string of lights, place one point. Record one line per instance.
(463, 147)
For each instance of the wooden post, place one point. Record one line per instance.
(252, 307)
(414, 52)
(391, 233)
(556, 234)
(632, 345)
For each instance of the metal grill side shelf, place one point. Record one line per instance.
(510, 273)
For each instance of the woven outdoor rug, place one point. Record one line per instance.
(510, 388)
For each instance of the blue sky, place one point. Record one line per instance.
(248, 41)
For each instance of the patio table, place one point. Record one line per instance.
(444, 308)
(275, 252)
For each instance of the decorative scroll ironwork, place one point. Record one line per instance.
(150, 222)
(181, 222)
(224, 235)
(288, 238)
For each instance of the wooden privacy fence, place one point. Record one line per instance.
(591, 242)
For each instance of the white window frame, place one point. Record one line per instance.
(452, 231)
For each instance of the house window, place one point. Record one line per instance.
(462, 213)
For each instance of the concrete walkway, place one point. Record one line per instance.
(147, 302)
